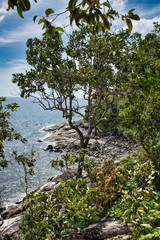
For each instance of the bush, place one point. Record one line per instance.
(67, 208)
(109, 184)
(140, 202)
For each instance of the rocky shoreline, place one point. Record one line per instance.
(63, 139)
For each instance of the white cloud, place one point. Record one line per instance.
(21, 34)
(18, 65)
(28, 29)
(119, 5)
(144, 25)
(148, 11)
(147, 15)
(3, 12)
(3, 7)
(7, 87)
(2, 18)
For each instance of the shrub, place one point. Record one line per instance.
(109, 184)
(140, 202)
(67, 208)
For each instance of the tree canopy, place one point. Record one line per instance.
(107, 68)
(98, 15)
(86, 64)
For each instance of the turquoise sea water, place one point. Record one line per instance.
(29, 120)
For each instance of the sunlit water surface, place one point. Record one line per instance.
(29, 120)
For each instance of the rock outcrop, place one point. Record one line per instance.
(99, 147)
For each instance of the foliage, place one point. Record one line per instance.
(139, 203)
(109, 184)
(96, 14)
(66, 162)
(27, 161)
(146, 223)
(7, 132)
(68, 207)
(141, 109)
(88, 67)
(124, 192)
(69, 161)
(118, 75)
(119, 237)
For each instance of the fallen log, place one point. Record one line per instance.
(100, 231)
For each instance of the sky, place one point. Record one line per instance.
(14, 32)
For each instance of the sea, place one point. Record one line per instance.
(29, 120)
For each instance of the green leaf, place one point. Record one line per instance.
(41, 20)
(134, 17)
(71, 19)
(49, 11)
(47, 23)
(106, 4)
(34, 18)
(106, 23)
(127, 213)
(19, 10)
(129, 24)
(25, 5)
(71, 4)
(146, 225)
(130, 11)
(59, 29)
(123, 18)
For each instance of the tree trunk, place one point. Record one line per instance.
(81, 158)
(83, 146)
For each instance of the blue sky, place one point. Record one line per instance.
(15, 31)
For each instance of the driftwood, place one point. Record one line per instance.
(97, 231)
(10, 226)
(104, 230)
(100, 231)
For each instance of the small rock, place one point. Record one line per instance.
(49, 148)
(58, 150)
(93, 148)
(47, 187)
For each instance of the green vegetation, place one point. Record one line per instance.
(89, 67)
(140, 200)
(96, 14)
(119, 75)
(127, 193)
(8, 133)
(68, 207)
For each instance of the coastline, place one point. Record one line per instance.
(67, 141)
(62, 138)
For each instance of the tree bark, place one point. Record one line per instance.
(100, 231)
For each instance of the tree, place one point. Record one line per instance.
(107, 68)
(96, 14)
(8, 133)
(141, 69)
(88, 67)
